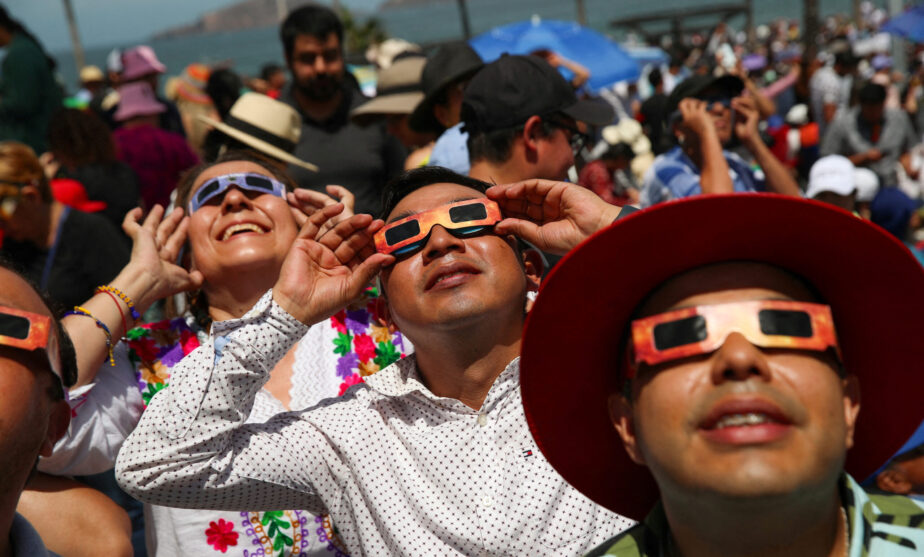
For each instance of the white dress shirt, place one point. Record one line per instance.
(400, 470)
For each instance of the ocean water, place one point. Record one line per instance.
(432, 22)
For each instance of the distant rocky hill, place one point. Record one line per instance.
(247, 14)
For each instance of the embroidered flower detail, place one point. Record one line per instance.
(346, 364)
(354, 379)
(342, 344)
(154, 372)
(380, 334)
(145, 347)
(338, 321)
(172, 355)
(220, 535)
(367, 368)
(189, 341)
(386, 354)
(364, 347)
(357, 321)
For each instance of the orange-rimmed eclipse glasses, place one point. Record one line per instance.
(702, 329)
(462, 218)
(30, 331)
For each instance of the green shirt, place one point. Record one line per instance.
(29, 94)
(878, 525)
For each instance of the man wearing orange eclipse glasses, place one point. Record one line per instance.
(36, 366)
(721, 378)
(432, 453)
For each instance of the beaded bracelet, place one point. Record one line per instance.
(122, 296)
(81, 311)
(118, 307)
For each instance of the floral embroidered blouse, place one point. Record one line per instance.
(331, 357)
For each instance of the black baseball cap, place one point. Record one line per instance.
(694, 85)
(508, 91)
(448, 64)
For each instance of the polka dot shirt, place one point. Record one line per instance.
(400, 470)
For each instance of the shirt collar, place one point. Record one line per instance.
(402, 378)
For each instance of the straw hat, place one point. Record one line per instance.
(137, 99)
(399, 90)
(89, 74)
(267, 125)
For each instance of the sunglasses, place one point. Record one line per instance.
(711, 101)
(577, 139)
(461, 219)
(30, 331)
(217, 186)
(703, 329)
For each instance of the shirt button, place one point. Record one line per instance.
(482, 419)
(487, 501)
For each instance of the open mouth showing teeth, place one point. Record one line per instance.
(739, 420)
(241, 228)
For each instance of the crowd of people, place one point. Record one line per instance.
(273, 316)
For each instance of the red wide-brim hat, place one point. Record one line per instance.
(573, 336)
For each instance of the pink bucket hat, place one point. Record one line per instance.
(140, 61)
(137, 99)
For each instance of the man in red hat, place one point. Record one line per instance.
(731, 367)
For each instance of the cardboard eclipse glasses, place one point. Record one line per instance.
(703, 329)
(30, 331)
(462, 218)
(249, 181)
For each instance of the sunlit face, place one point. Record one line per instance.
(741, 421)
(317, 66)
(452, 281)
(240, 231)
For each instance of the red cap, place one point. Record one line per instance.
(73, 194)
(874, 285)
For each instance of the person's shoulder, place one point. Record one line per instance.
(638, 541)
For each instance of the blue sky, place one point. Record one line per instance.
(103, 22)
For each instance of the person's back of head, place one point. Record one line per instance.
(893, 210)
(78, 138)
(224, 87)
(655, 79)
(871, 94)
(313, 20)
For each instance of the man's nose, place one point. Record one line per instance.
(738, 360)
(440, 242)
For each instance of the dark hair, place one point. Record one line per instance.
(78, 137)
(66, 352)
(845, 58)
(198, 305)
(224, 88)
(314, 20)
(495, 146)
(655, 78)
(412, 180)
(871, 93)
(14, 26)
(618, 151)
(268, 70)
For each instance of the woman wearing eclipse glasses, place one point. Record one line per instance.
(239, 222)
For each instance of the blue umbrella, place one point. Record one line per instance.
(909, 24)
(607, 61)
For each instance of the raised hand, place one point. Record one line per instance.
(553, 216)
(321, 276)
(746, 120)
(695, 117)
(305, 202)
(152, 272)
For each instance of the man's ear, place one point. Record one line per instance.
(621, 416)
(59, 419)
(532, 134)
(384, 314)
(534, 267)
(893, 480)
(851, 406)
